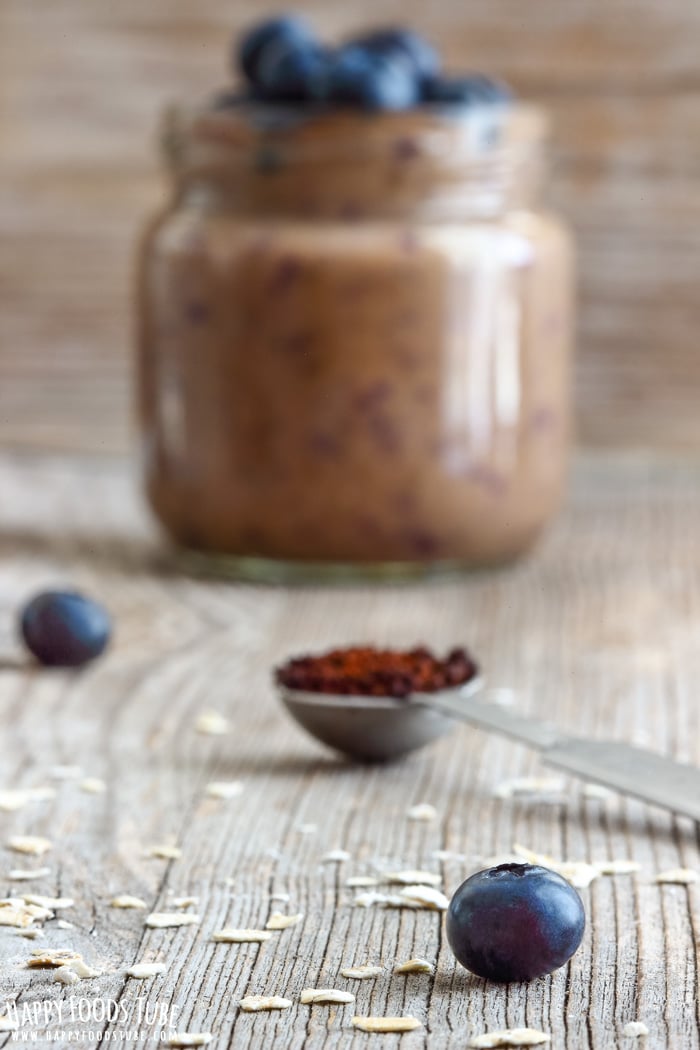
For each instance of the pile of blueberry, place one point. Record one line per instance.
(387, 69)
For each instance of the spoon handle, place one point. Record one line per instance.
(493, 717)
(631, 770)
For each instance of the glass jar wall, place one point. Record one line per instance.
(355, 340)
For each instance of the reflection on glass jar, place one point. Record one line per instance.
(355, 339)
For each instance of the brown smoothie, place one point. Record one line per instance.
(355, 338)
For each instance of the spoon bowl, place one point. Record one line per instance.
(372, 728)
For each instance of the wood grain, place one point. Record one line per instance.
(597, 630)
(80, 90)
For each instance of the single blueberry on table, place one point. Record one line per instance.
(405, 44)
(64, 628)
(515, 922)
(372, 80)
(287, 29)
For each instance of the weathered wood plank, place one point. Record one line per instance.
(597, 630)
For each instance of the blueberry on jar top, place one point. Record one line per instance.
(287, 30)
(412, 48)
(515, 922)
(64, 628)
(382, 69)
(288, 72)
(372, 79)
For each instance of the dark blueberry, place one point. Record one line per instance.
(470, 90)
(373, 80)
(286, 29)
(65, 629)
(405, 44)
(288, 72)
(515, 922)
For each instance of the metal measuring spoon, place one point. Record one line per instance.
(381, 728)
(373, 728)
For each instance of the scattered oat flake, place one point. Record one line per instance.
(578, 872)
(33, 844)
(446, 854)
(510, 1037)
(361, 973)
(92, 786)
(7, 1024)
(388, 900)
(224, 789)
(32, 933)
(635, 1029)
(530, 786)
(279, 921)
(184, 902)
(26, 874)
(162, 851)
(82, 969)
(415, 966)
(141, 971)
(184, 1039)
(422, 811)
(55, 903)
(361, 881)
(125, 900)
(165, 919)
(279, 897)
(335, 855)
(211, 723)
(426, 897)
(409, 897)
(65, 772)
(680, 876)
(63, 924)
(597, 791)
(66, 975)
(386, 1024)
(16, 798)
(253, 1004)
(231, 936)
(47, 957)
(618, 867)
(413, 878)
(310, 996)
(14, 911)
(12, 800)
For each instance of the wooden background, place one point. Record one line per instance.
(81, 83)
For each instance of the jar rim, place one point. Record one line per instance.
(462, 133)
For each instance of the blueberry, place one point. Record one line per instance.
(291, 73)
(405, 44)
(64, 628)
(470, 90)
(515, 922)
(371, 79)
(286, 29)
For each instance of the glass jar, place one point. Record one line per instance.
(355, 337)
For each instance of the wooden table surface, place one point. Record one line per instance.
(599, 629)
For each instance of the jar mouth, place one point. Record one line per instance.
(460, 134)
(433, 161)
